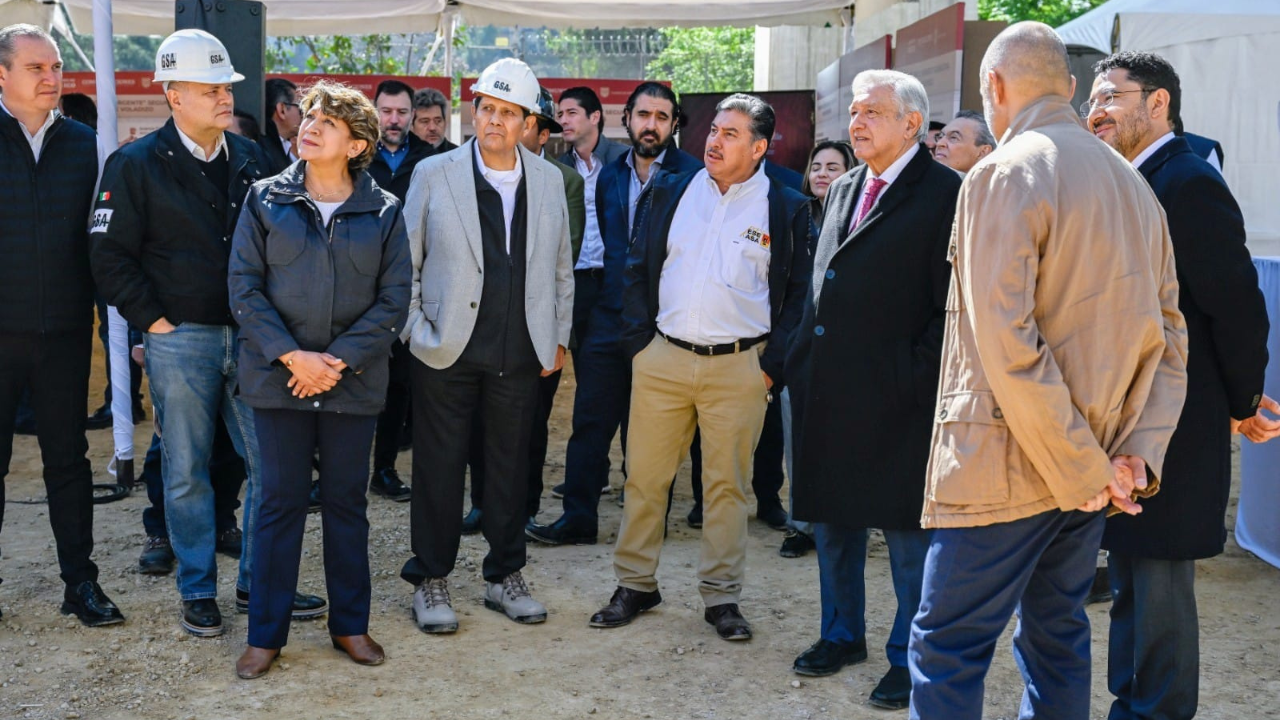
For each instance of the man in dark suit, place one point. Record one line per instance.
(870, 339)
(1153, 661)
(431, 119)
(602, 369)
(281, 129)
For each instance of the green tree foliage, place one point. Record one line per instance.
(357, 55)
(714, 59)
(131, 52)
(1050, 12)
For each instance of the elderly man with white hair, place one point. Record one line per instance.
(866, 360)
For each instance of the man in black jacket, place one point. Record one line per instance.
(1154, 656)
(431, 120)
(281, 129)
(47, 172)
(162, 230)
(714, 288)
(399, 152)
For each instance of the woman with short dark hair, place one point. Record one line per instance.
(319, 283)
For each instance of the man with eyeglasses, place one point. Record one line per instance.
(281, 129)
(1154, 655)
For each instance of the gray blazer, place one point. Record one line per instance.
(606, 152)
(443, 222)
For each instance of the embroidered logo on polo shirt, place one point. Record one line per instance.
(101, 220)
(757, 236)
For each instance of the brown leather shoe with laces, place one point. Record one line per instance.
(624, 606)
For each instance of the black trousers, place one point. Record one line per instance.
(386, 441)
(445, 403)
(56, 368)
(1153, 657)
(288, 440)
(547, 387)
(766, 476)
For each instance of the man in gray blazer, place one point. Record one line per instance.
(490, 309)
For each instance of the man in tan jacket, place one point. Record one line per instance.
(1063, 375)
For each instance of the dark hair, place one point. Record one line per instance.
(431, 97)
(392, 87)
(759, 112)
(13, 32)
(586, 97)
(543, 123)
(841, 147)
(653, 90)
(80, 107)
(278, 90)
(984, 133)
(1153, 73)
(248, 125)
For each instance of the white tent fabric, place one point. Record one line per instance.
(1224, 53)
(284, 17)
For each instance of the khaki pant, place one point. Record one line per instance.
(672, 391)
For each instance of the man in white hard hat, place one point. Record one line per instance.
(159, 242)
(490, 311)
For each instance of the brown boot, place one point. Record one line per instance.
(255, 662)
(362, 649)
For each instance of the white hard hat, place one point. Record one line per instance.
(194, 56)
(510, 80)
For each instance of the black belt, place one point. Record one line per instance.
(722, 349)
(590, 272)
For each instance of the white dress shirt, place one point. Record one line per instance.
(507, 183)
(195, 149)
(714, 286)
(638, 187)
(890, 174)
(1152, 148)
(592, 253)
(36, 141)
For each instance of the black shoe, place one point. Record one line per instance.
(87, 602)
(157, 557)
(202, 617)
(25, 426)
(305, 607)
(139, 414)
(795, 544)
(894, 690)
(559, 533)
(1101, 590)
(386, 482)
(730, 625)
(471, 521)
(694, 518)
(773, 516)
(558, 491)
(125, 476)
(826, 657)
(313, 501)
(100, 419)
(624, 606)
(230, 541)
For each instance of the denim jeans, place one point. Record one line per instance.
(788, 449)
(193, 379)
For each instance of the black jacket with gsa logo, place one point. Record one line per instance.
(161, 232)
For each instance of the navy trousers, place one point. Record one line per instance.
(287, 440)
(1153, 657)
(975, 578)
(842, 560)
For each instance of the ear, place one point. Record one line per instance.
(1158, 104)
(595, 117)
(759, 148)
(995, 85)
(173, 96)
(530, 122)
(914, 121)
(1071, 92)
(357, 147)
(544, 136)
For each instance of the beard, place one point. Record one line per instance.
(1130, 134)
(648, 151)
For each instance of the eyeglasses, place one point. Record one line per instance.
(1105, 99)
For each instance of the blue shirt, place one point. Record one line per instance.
(394, 158)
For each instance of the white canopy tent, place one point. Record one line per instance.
(1224, 53)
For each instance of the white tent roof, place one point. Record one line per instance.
(354, 17)
(1185, 21)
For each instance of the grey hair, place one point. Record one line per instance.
(908, 91)
(431, 97)
(758, 111)
(984, 133)
(11, 33)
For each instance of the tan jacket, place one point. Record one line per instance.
(1064, 345)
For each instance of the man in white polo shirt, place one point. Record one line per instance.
(715, 285)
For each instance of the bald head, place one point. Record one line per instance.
(1025, 62)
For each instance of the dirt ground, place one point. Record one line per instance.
(668, 664)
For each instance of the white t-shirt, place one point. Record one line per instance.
(326, 209)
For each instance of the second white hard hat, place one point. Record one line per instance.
(511, 80)
(194, 56)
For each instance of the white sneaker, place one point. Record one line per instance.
(511, 597)
(432, 608)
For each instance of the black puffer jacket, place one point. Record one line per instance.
(298, 285)
(45, 285)
(162, 231)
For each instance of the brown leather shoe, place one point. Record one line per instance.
(624, 606)
(362, 649)
(255, 662)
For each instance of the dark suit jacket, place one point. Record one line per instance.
(269, 141)
(1227, 333)
(606, 151)
(789, 266)
(575, 195)
(397, 182)
(785, 175)
(445, 146)
(865, 363)
(1204, 147)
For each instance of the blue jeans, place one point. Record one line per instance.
(842, 560)
(1040, 567)
(193, 380)
(801, 526)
